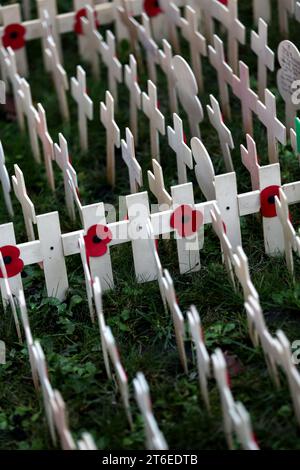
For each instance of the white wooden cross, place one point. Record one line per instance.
(3, 66)
(59, 76)
(15, 80)
(150, 47)
(262, 9)
(207, 20)
(197, 42)
(224, 134)
(114, 66)
(131, 80)
(285, 8)
(276, 131)
(203, 359)
(241, 89)
(183, 152)
(30, 112)
(11, 14)
(63, 161)
(187, 88)
(85, 105)
(128, 155)
(172, 17)
(241, 268)
(83, 44)
(228, 16)
(224, 72)
(291, 240)
(93, 39)
(177, 316)
(250, 161)
(5, 183)
(28, 209)
(156, 118)
(48, 15)
(47, 143)
(112, 136)
(265, 56)
(165, 60)
(157, 186)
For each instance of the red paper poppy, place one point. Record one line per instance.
(13, 263)
(82, 14)
(96, 240)
(267, 201)
(14, 36)
(186, 220)
(224, 2)
(152, 7)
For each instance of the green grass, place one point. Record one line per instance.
(143, 331)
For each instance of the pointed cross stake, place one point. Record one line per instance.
(183, 152)
(189, 26)
(59, 76)
(128, 155)
(275, 129)
(224, 72)
(85, 105)
(157, 186)
(165, 60)
(112, 136)
(150, 47)
(26, 203)
(5, 182)
(156, 118)
(250, 161)
(93, 39)
(241, 89)
(224, 134)
(131, 81)
(228, 16)
(30, 112)
(285, 7)
(208, 22)
(172, 17)
(47, 143)
(15, 80)
(114, 66)
(265, 56)
(63, 161)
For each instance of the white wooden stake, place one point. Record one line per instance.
(7, 237)
(150, 47)
(85, 105)
(165, 60)
(285, 8)
(15, 80)
(11, 14)
(241, 89)
(204, 170)
(112, 136)
(5, 183)
(30, 112)
(262, 10)
(87, 277)
(197, 42)
(157, 185)
(28, 209)
(131, 81)
(47, 144)
(224, 72)
(59, 412)
(183, 152)
(172, 17)
(156, 118)
(114, 66)
(207, 19)
(9, 298)
(83, 44)
(59, 77)
(224, 134)
(47, 10)
(276, 131)
(265, 56)
(134, 169)
(250, 161)
(93, 40)
(187, 88)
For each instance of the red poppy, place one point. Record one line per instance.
(267, 201)
(78, 25)
(96, 240)
(224, 2)
(152, 7)
(14, 36)
(13, 263)
(186, 220)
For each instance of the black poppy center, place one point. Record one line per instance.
(14, 35)
(156, 4)
(96, 239)
(185, 219)
(271, 199)
(7, 259)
